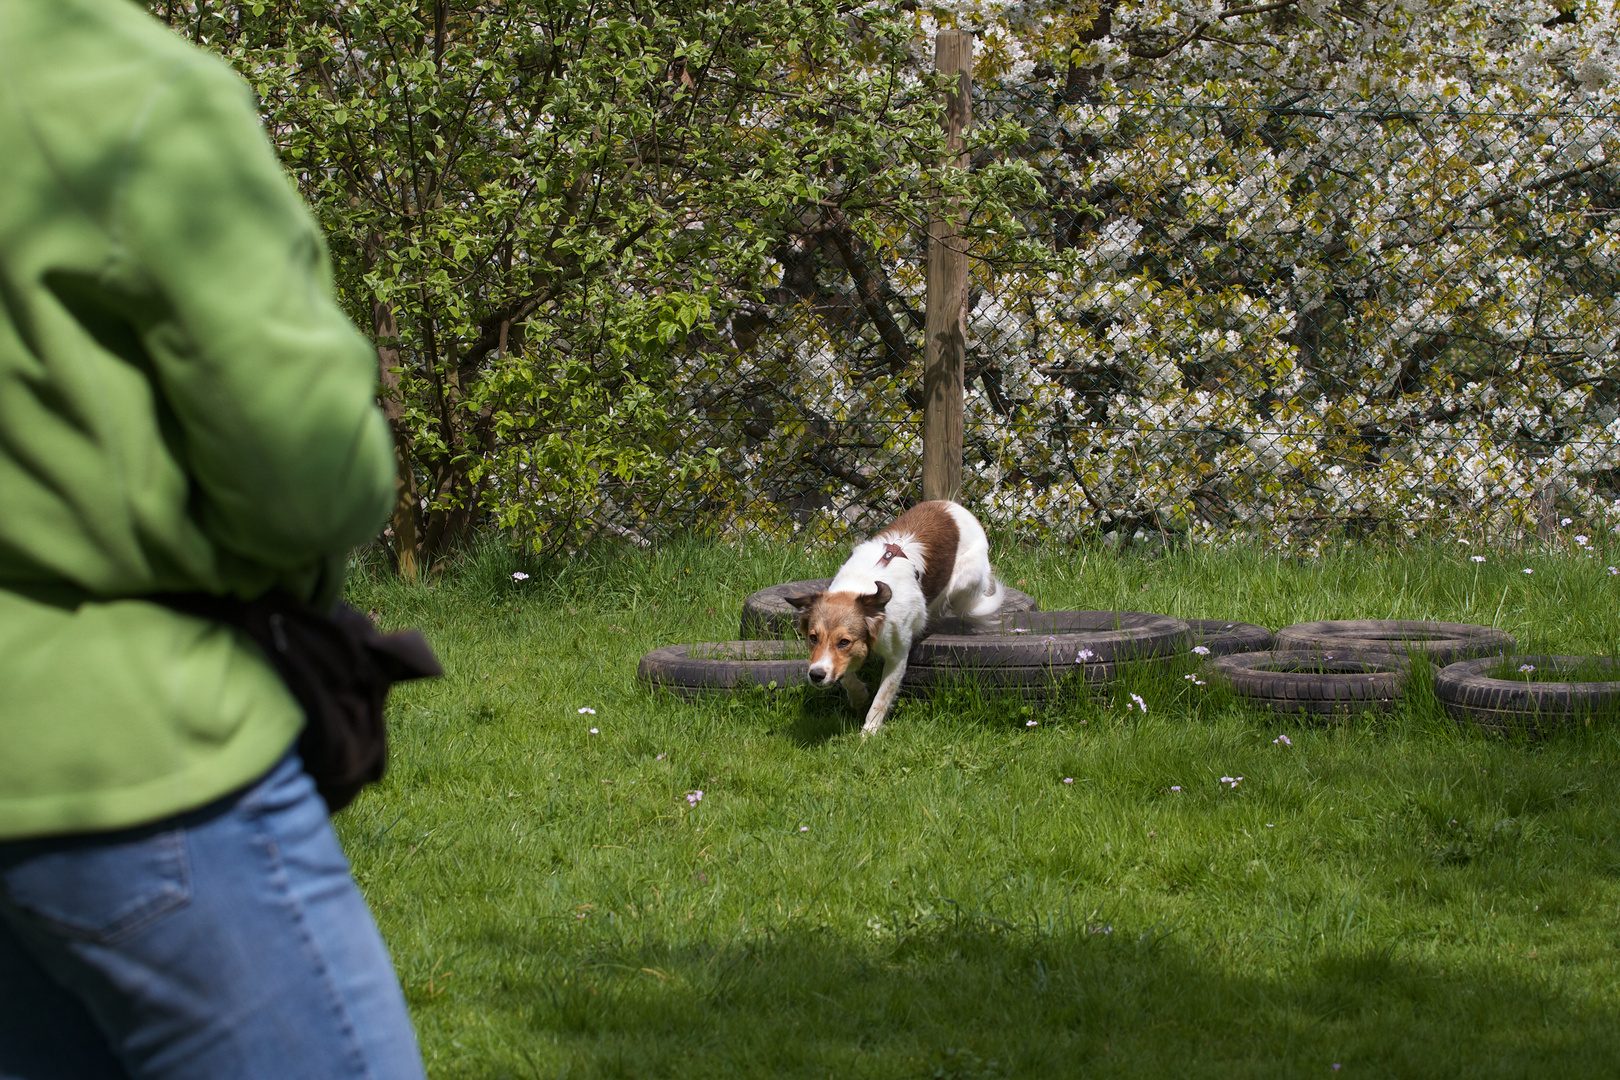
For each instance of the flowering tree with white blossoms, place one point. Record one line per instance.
(1303, 269)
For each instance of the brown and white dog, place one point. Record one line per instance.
(934, 560)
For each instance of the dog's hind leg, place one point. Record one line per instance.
(981, 598)
(893, 672)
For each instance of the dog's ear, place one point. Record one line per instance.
(872, 606)
(801, 609)
(874, 603)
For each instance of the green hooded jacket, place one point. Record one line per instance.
(183, 406)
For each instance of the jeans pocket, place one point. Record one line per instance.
(102, 892)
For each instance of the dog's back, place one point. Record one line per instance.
(950, 545)
(929, 534)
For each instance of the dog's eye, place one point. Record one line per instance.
(843, 643)
(814, 638)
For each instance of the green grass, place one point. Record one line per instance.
(1392, 895)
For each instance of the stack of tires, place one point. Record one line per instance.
(1344, 667)
(1031, 654)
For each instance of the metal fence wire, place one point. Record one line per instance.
(1291, 321)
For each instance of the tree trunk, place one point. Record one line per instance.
(385, 332)
(945, 346)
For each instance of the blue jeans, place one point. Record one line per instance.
(229, 943)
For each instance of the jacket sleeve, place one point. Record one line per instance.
(271, 386)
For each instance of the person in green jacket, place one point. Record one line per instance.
(183, 408)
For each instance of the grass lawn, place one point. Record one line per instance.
(1394, 897)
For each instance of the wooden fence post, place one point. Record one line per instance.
(945, 349)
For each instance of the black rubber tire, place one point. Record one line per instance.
(1219, 636)
(721, 667)
(1034, 682)
(1295, 681)
(1224, 638)
(1055, 639)
(766, 614)
(1440, 642)
(1040, 662)
(1513, 706)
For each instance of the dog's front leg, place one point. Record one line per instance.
(858, 694)
(893, 672)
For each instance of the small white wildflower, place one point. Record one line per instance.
(519, 575)
(1175, 787)
(1477, 558)
(1528, 570)
(1613, 570)
(587, 711)
(1029, 723)
(595, 732)
(1200, 650)
(1140, 704)
(1567, 522)
(660, 757)
(804, 828)
(1527, 668)
(694, 797)
(1283, 740)
(1582, 540)
(1083, 655)
(1068, 779)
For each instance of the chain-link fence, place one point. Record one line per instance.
(1288, 319)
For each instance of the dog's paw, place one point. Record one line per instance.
(871, 728)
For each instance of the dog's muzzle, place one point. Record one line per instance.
(819, 673)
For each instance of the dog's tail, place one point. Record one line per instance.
(987, 603)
